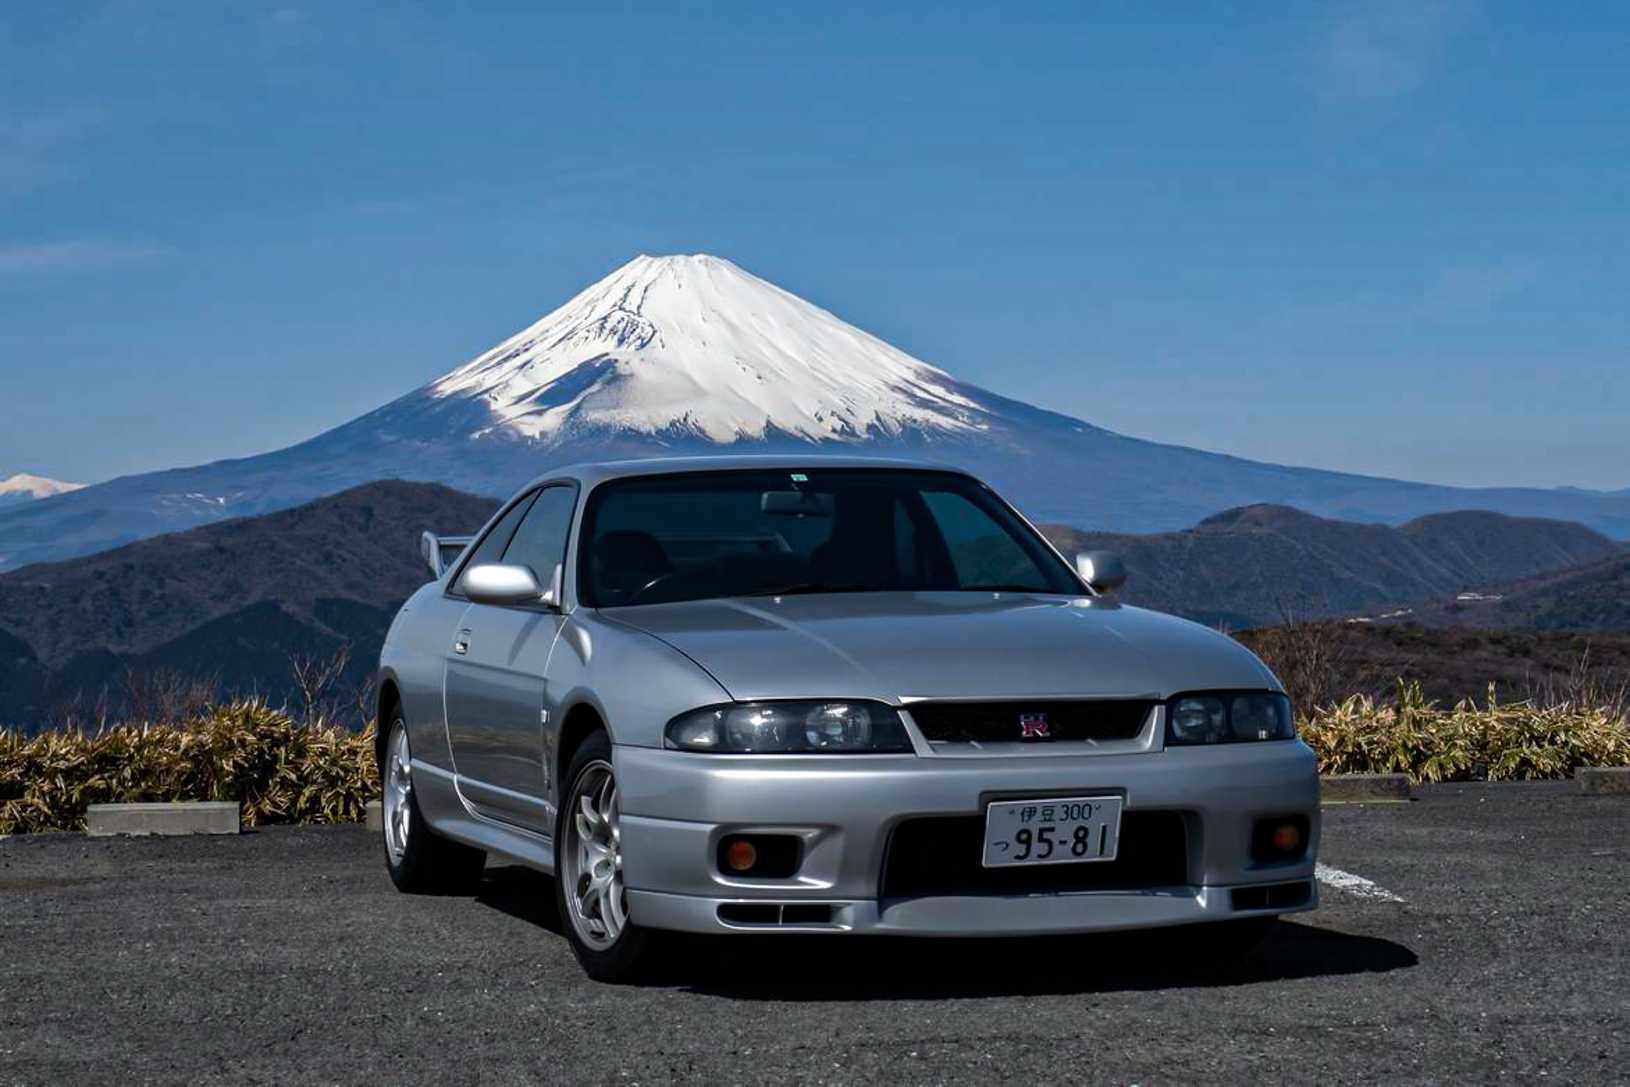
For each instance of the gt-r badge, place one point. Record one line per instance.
(1033, 726)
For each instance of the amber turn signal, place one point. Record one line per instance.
(1281, 839)
(740, 855)
(1287, 838)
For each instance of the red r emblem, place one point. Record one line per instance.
(1033, 726)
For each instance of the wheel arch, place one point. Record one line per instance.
(582, 720)
(389, 701)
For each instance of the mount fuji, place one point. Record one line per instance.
(693, 355)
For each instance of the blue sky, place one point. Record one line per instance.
(1382, 237)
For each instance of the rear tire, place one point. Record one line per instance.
(420, 861)
(589, 891)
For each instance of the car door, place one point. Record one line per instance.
(495, 675)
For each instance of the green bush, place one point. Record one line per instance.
(281, 770)
(1518, 741)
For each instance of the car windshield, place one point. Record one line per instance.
(702, 535)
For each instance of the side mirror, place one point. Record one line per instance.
(503, 583)
(1103, 570)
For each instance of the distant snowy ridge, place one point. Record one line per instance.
(695, 346)
(23, 487)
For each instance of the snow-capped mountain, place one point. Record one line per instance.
(696, 347)
(23, 487)
(693, 355)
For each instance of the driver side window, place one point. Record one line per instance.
(540, 542)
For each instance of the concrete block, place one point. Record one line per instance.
(375, 817)
(1601, 780)
(1363, 788)
(186, 817)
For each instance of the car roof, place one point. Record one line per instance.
(590, 474)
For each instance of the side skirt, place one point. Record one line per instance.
(449, 815)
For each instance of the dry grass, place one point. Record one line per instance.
(1579, 719)
(1518, 741)
(287, 772)
(281, 770)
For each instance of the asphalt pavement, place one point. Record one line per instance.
(1478, 934)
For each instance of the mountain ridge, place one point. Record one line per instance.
(1257, 565)
(1590, 597)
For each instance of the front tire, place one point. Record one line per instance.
(589, 889)
(420, 861)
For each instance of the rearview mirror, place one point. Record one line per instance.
(503, 583)
(796, 503)
(1103, 570)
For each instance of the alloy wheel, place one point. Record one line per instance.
(593, 858)
(398, 799)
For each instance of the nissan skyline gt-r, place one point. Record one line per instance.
(826, 695)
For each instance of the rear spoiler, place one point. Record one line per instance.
(440, 552)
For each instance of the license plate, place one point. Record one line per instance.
(1064, 830)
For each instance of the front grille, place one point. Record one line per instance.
(940, 855)
(1000, 722)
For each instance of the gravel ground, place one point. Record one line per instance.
(286, 955)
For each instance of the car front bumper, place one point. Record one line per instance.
(676, 806)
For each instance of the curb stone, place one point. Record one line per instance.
(1603, 780)
(177, 817)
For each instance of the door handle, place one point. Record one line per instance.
(461, 644)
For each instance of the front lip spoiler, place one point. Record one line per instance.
(977, 916)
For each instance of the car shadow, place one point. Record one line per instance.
(832, 968)
(521, 893)
(900, 968)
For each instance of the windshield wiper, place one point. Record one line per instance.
(1002, 589)
(806, 588)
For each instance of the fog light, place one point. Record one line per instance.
(1280, 839)
(1288, 838)
(759, 856)
(740, 855)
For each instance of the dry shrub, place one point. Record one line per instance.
(1584, 685)
(1310, 657)
(1498, 742)
(281, 771)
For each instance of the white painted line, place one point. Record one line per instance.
(1353, 885)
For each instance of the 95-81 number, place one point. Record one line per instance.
(1043, 842)
(1052, 830)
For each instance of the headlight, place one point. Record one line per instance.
(1228, 718)
(752, 728)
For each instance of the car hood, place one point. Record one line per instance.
(945, 645)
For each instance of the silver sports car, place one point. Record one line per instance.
(828, 695)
